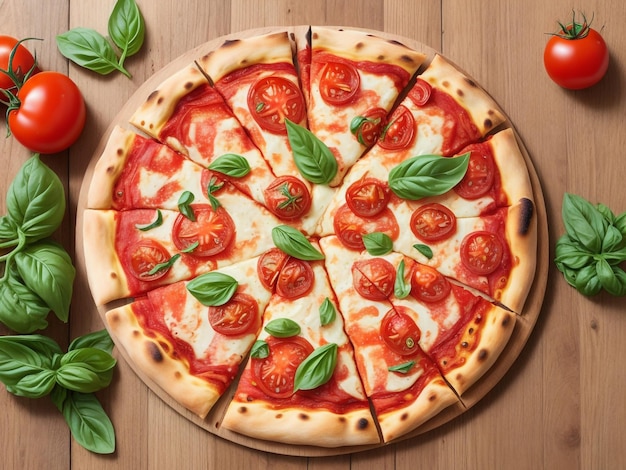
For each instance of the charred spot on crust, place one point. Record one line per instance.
(406, 58)
(404, 417)
(113, 276)
(526, 215)
(120, 152)
(160, 100)
(304, 416)
(359, 45)
(242, 410)
(154, 352)
(314, 36)
(460, 93)
(505, 321)
(178, 375)
(482, 354)
(230, 42)
(278, 416)
(152, 95)
(445, 84)
(188, 86)
(381, 58)
(470, 82)
(362, 424)
(342, 419)
(488, 123)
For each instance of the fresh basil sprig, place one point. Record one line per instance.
(282, 328)
(231, 164)
(317, 368)
(427, 175)
(592, 251)
(34, 366)
(89, 49)
(213, 289)
(377, 243)
(294, 243)
(313, 158)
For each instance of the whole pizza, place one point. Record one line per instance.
(330, 233)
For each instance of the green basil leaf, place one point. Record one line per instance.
(21, 309)
(47, 270)
(569, 253)
(620, 275)
(184, 205)
(126, 27)
(213, 187)
(165, 265)
(424, 250)
(260, 349)
(403, 368)
(583, 222)
(328, 312)
(282, 328)
(24, 370)
(36, 385)
(427, 175)
(36, 200)
(294, 243)
(158, 221)
(401, 288)
(377, 243)
(97, 339)
(615, 257)
(317, 368)
(313, 158)
(607, 277)
(42, 345)
(213, 288)
(85, 370)
(612, 240)
(87, 420)
(356, 123)
(8, 229)
(620, 223)
(606, 212)
(586, 281)
(191, 248)
(89, 49)
(230, 164)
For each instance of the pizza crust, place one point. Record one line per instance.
(359, 46)
(510, 161)
(236, 54)
(481, 107)
(299, 426)
(148, 355)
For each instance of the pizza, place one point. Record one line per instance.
(326, 233)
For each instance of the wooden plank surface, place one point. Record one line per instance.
(560, 406)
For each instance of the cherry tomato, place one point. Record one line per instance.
(144, 257)
(238, 316)
(287, 197)
(272, 99)
(350, 228)
(420, 93)
(433, 222)
(428, 284)
(369, 126)
(51, 113)
(269, 266)
(23, 62)
(480, 174)
(213, 231)
(275, 374)
(339, 83)
(400, 333)
(368, 197)
(400, 132)
(576, 57)
(374, 278)
(295, 279)
(481, 252)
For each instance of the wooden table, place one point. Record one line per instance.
(560, 406)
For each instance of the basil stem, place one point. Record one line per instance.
(317, 368)
(312, 157)
(213, 288)
(294, 243)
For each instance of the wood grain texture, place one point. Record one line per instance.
(560, 406)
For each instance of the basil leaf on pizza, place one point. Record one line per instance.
(283, 328)
(213, 288)
(377, 243)
(317, 368)
(294, 243)
(231, 164)
(158, 221)
(313, 158)
(424, 250)
(184, 205)
(401, 288)
(328, 313)
(260, 349)
(403, 368)
(163, 266)
(427, 175)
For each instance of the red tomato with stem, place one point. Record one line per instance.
(48, 113)
(576, 57)
(21, 63)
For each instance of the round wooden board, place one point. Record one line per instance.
(524, 325)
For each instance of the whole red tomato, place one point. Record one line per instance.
(577, 56)
(49, 113)
(23, 61)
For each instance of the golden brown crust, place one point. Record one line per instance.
(481, 107)
(240, 53)
(510, 161)
(490, 340)
(521, 234)
(301, 426)
(109, 167)
(359, 46)
(151, 359)
(105, 274)
(154, 113)
(435, 397)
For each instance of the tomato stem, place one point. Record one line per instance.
(575, 29)
(16, 76)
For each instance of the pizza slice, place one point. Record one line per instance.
(190, 337)
(301, 385)
(354, 79)
(129, 252)
(462, 332)
(402, 382)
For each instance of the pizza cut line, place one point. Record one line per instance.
(329, 231)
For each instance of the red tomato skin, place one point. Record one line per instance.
(51, 115)
(23, 61)
(576, 63)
